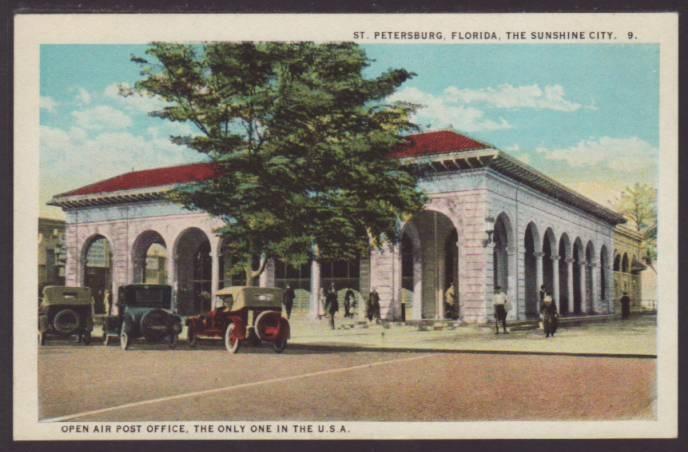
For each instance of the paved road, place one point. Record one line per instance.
(150, 383)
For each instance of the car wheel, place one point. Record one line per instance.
(41, 338)
(173, 341)
(279, 345)
(66, 321)
(87, 337)
(231, 342)
(191, 338)
(123, 341)
(106, 339)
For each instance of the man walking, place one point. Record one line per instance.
(349, 299)
(499, 301)
(373, 305)
(450, 304)
(625, 306)
(288, 299)
(331, 304)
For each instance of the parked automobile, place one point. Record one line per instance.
(65, 311)
(242, 314)
(145, 310)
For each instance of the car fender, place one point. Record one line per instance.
(239, 326)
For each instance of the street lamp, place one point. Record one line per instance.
(489, 230)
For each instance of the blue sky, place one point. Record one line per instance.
(587, 115)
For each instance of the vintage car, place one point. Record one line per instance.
(65, 311)
(242, 314)
(144, 311)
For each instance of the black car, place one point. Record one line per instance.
(145, 310)
(65, 311)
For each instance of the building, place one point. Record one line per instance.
(50, 252)
(491, 220)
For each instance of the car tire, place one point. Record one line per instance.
(231, 343)
(65, 314)
(87, 337)
(123, 341)
(280, 345)
(41, 338)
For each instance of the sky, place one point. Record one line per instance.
(586, 115)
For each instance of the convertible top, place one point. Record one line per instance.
(253, 297)
(67, 295)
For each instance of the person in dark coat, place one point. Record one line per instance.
(349, 299)
(331, 304)
(625, 306)
(373, 308)
(542, 294)
(549, 315)
(288, 299)
(500, 301)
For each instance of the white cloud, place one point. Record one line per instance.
(47, 103)
(101, 117)
(133, 101)
(623, 155)
(441, 112)
(551, 97)
(83, 97)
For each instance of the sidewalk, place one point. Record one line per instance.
(633, 337)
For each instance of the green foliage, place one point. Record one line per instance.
(301, 140)
(638, 203)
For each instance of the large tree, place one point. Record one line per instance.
(638, 203)
(300, 138)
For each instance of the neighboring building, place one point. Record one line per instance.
(490, 220)
(628, 266)
(51, 255)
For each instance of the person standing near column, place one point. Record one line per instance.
(625, 306)
(499, 302)
(549, 315)
(288, 299)
(331, 304)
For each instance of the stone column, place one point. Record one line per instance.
(583, 286)
(569, 280)
(172, 277)
(538, 273)
(315, 289)
(512, 291)
(555, 281)
(595, 287)
(214, 276)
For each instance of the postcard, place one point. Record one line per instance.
(391, 226)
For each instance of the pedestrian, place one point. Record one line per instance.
(321, 303)
(451, 310)
(549, 315)
(288, 299)
(331, 304)
(542, 294)
(625, 306)
(373, 308)
(500, 302)
(349, 301)
(107, 302)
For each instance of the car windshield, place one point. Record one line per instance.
(149, 297)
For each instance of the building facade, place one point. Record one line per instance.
(628, 267)
(51, 270)
(490, 221)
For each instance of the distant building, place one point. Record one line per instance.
(51, 252)
(490, 220)
(628, 266)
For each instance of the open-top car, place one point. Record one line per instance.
(145, 310)
(243, 314)
(65, 311)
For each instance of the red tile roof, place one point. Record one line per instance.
(149, 178)
(441, 142)
(429, 143)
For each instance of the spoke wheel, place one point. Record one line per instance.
(123, 341)
(231, 342)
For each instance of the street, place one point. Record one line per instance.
(154, 383)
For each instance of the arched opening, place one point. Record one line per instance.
(578, 260)
(531, 241)
(439, 257)
(193, 272)
(451, 263)
(589, 287)
(548, 253)
(299, 278)
(604, 284)
(617, 262)
(149, 255)
(624, 263)
(407, 281)
(500, 256)
(345, 276)
(97, 270)
(564, 256)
